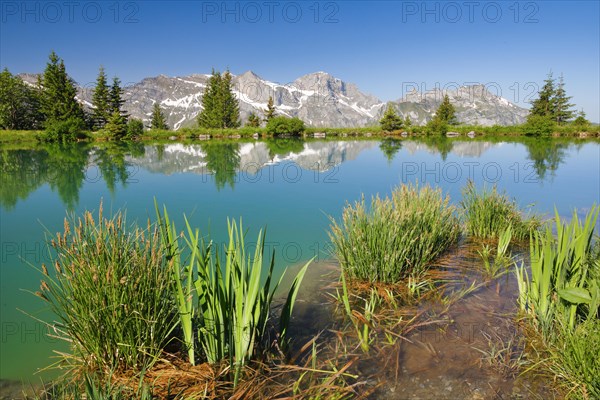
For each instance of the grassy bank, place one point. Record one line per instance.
(8, 136)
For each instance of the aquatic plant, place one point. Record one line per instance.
(225, 304)
(120, 292)
(487, 214)
(574, 358)
(397, 236)
(564, 281)
(110, 290)
(496, 266)
(561, 299)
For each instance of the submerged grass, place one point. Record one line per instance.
(488, 213)
(497, 265)
(396, 237)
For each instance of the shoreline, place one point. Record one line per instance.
(8, 137)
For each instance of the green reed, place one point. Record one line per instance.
(564, 282)
(397, 236)
(110, 290)
(487, 213)
(561, 297)
(224, 299)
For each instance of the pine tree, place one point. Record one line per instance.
(58, 102)
(270, 111)
(253, 120)
(562, 107)
(390, 120)
(101, 101)
(135, 127)
(158, 119)
(220, 107)
(446, 112)
(19, 103)
(116, 126)
(544, 106)
(408, 124)
(231, 106)
(211, 114)
(116, 98)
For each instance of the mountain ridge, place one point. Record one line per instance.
(319, 99)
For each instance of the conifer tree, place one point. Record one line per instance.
(57, 99)
(135, 128)
(407, 124)
(390, 120)
(581, 120)
(220, 107)
(562, 107)
(231, 107)
(253, 120)
(19, 103)
(211, 114)
(116, 98)
(158, 120)
(270, 111)
(446, 112)
(116, 126)
(544, 106)
(101, 101)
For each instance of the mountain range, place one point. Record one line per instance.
(319, 99)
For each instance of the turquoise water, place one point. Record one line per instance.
(289, 186)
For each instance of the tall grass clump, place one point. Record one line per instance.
(110, 289)
(395, 237)
(224, 298)
(561, 297)
(487, 213)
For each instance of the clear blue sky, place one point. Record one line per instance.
(383, 47)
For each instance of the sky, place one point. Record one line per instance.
(385, 48)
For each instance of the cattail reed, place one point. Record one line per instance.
(99, 267)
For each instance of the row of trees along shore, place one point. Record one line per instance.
(51, 105)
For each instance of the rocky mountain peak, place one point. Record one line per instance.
(318, 98)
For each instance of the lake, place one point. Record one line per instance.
(289, 186)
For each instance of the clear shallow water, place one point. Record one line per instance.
(288, 186)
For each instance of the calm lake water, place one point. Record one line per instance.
(288, 186)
